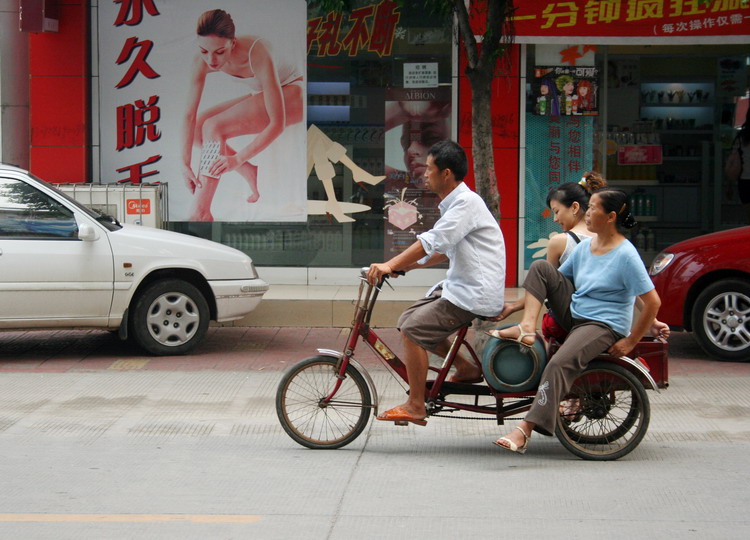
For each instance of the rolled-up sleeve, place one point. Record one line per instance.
(451, 228)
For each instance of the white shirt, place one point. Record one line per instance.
(570, 245)
(471, 239)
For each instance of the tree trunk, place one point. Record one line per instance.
(481, 133)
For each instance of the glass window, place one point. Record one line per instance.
(565, 115)
(664, 125)
(359, 62)
(26, 212)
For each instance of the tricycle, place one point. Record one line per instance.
(325, 401)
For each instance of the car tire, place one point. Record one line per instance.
(169, 317)
(721, 320)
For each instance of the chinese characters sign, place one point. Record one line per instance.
(184, 108)
(559, 149)
(367, 29)
(423, 75)
(649, 21)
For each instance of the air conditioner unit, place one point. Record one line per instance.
(140, 204)
(38, 15)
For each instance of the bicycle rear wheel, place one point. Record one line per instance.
(312, 422)
(613, 413)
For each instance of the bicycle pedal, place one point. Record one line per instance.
(401, 422)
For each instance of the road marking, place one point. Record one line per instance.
(127, 518)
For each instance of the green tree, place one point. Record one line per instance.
(483, 61)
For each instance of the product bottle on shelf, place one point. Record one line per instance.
(650, 240)
(640, 241)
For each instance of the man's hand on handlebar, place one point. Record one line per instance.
(377, 271)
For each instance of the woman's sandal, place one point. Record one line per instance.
(496, 334)
(513, 447)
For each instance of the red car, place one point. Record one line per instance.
(704, 286)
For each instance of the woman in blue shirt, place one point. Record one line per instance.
(592, 294)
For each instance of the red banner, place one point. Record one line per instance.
(639, 154)
(634, 21)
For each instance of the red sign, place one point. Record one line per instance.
(639, 154)
(138, 206)
(650, 21)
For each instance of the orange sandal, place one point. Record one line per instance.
(400, 417)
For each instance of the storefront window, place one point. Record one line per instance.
(564, 127)
(380, 57)
(658, 123)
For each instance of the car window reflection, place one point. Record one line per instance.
(26, 212)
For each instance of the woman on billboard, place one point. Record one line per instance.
(273, 102)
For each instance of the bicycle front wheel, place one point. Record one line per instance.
(612, 413)
(307, 418)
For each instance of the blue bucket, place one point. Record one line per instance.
(511, 367)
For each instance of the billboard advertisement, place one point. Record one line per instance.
(209, 97)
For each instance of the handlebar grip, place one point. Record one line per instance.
(363, 272)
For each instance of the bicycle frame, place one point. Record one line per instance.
(436, 389)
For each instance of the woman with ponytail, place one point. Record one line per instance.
(592, 294)
(568, 204)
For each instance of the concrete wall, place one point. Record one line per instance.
(14, 88)
(60, 95)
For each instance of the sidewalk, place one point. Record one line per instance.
(328, 306)
(250, 349)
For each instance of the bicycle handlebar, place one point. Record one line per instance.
(363, 274)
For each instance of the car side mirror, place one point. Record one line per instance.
(87, 233)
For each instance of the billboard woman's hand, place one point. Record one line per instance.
(191, 180)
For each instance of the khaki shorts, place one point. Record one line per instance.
(432, 319)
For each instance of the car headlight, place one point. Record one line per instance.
(661, 261)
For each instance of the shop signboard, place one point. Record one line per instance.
(631, 22)
(639, 154)
(201, 112)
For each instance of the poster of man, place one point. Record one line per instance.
(209, 97)
(565, 90)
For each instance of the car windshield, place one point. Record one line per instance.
(105, 220)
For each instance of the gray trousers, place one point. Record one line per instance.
(586, 340)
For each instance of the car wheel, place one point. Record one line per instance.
(169, 317)
(721, 319)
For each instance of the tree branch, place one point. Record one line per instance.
(497, 32)
(466, 34)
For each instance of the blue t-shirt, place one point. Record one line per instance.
(606, 285)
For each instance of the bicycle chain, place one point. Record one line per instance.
(471, 417)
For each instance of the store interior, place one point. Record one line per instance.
(664, 126)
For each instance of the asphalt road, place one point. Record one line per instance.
(99, 442)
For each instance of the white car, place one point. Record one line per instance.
(63, 265)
